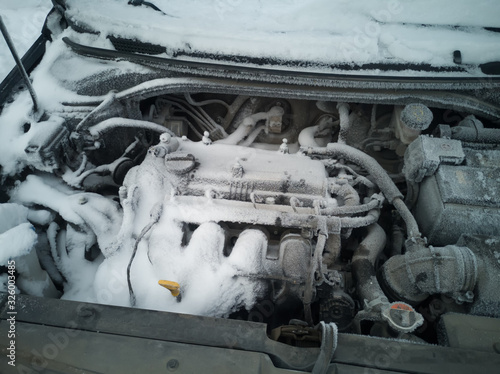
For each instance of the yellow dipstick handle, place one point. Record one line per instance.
(173, 287)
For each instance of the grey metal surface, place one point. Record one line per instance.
(110, 338)
(487, 251)
(470, 332)
(425, 154)
(56, 350)
(461, 199)
(469, 185)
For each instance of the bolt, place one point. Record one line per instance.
(446, 146)
(82, 200)
(284, 147)
(165, 138)
(172, 365)
(206, 138)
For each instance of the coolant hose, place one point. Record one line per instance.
(118, 122)
(355, 222)
(363, 265)
(379, 175)
(346, 192)
(350, 209)
(306, 137)
(248, 124)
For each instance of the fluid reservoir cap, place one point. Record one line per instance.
(402, 317)
(179, 162)
(416, 116)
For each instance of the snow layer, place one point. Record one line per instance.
(24, 20)
(315, 30)
(17, 236)
(323, 31)
(17, 242)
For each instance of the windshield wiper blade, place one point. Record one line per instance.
(491, 68)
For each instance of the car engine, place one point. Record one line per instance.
(377, 217)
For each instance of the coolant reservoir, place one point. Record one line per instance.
(409, 121)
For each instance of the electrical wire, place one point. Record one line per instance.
(155, 217)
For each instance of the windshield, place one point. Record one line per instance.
(317, 34)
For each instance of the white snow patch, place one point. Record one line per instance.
(24, 20)
(16, 242)
(316, 30)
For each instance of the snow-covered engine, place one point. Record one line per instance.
(239, 222)
(258, 208)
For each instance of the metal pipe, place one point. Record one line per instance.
(19, 64)
(345, 124)
(106, 103)
(478, 135)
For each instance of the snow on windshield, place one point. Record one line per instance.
(323, 31)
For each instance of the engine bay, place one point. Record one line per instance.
(379, 218)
